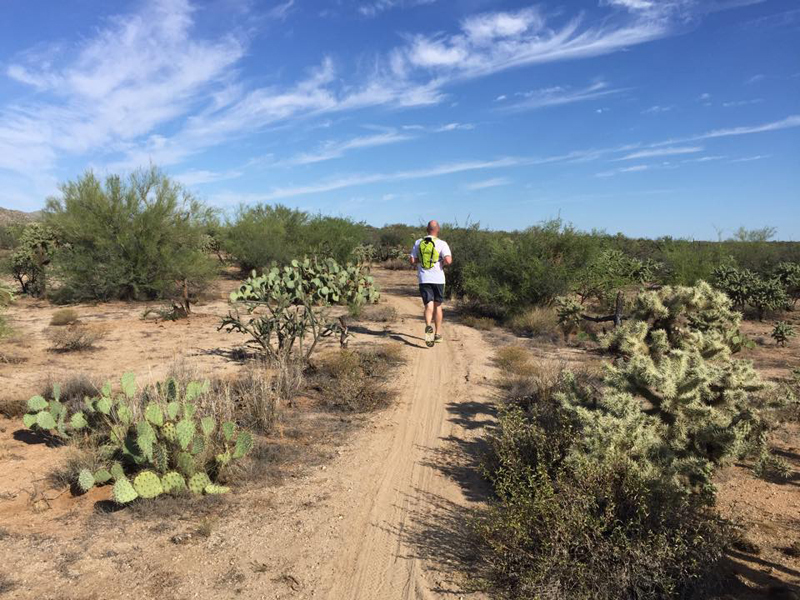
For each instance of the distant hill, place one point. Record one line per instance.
(8, 216)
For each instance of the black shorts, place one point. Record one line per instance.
(431, 292)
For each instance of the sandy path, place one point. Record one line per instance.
(409, 478)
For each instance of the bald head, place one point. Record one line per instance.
(433, 228)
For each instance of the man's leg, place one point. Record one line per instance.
(429, 312)
(438, 316)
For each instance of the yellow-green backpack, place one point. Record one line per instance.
(428, 254)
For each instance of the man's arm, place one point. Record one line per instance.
(413, 256)
(447, 258)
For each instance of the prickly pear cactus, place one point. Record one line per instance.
(85, 480)
(198, 483)
(213, 488)
(124, 492)
(173, 482)
(148, 485)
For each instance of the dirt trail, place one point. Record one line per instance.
(414, 473)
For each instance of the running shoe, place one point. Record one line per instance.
(429, 336)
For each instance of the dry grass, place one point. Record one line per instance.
(75, 338)
(378, 314)
(536, 322)
(481, 323)
(64, 316)
(13, 409)
(514, 360)
(397, 264)
(74, 389)
(356, 381)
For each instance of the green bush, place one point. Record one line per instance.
(788, 273)
(64, 316)
(261, 235)
(6, 297)
(782, 332)
(140, 238)
(32, 255)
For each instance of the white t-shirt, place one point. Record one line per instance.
(436, 273)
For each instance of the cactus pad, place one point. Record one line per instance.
(168, 431)
(78, 421)
(207, 424)
(102, 476)
(198, 483)
(129, 385)
(184, 431)
(185, 463)
(85, 480)
(172, 391)
(213, 488)
(29, 420)
(228, 429)
(160, 457)
(198, 445)
(173, 482)
(145, 438)
(103, 405)
(244, 443)
(154, 414)
(148, 485)
(172, 410)
(45, 420)
(124, 413)
(223, 458)
(124, 492)
(188, 410)
(116, 471)
(37, 403)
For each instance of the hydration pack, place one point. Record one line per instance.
(428, 254)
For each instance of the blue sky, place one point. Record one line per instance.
(649, 117)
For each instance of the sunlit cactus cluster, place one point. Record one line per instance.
(152, 443)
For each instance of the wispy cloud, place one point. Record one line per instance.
(556, 96)
(336, 149)
(736, 103)
(372, 9)
(487, 183)
(199, 176)
(754, 79)
(751, 158)
(671, 151)
(787, 123)
(657, 109)
(633, 169)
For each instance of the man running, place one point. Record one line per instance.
(431, 255)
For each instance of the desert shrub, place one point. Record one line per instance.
(73, 389)
(534, 322)
(158, 442)
(393, 242)
(140, 238)
(6, 297)
(569, 315)
(744, 288)
(32, 254)
(261, 235)
(356, 381)
(64, 316)
(9, 236)
(569, 523)
(782, 332)
(284, 306)
(788, 273)
(608, 272)
(75, 338)
(477, 322)
(398, 264)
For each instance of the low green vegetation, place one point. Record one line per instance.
(286, 309)
(782, 332)
(6, 297)
(146, 444)
(603, 484)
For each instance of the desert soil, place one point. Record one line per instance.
(381, 515)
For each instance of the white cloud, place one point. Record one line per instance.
(736, 103)
(751, 158)
(654, 110)
(662, 152)
(500, 98)
(704, 96)
(754, 79)
(703, 159)
(556, 96)
(198, 177)
(372, 9)
(633, 169)
(489, 28)
(787, 123)
(332, 149)
(487, 183)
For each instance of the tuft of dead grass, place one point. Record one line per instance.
(481, 323)
(378, 314)
(356, 381)
(514, 360)
(75, 338)
(74, 389)
(397, 264)
(536, 322)
(64, 316)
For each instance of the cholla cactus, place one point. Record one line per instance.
(569, 313)
(675, 397)
(782, 332)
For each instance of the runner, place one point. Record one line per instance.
(431, 255)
